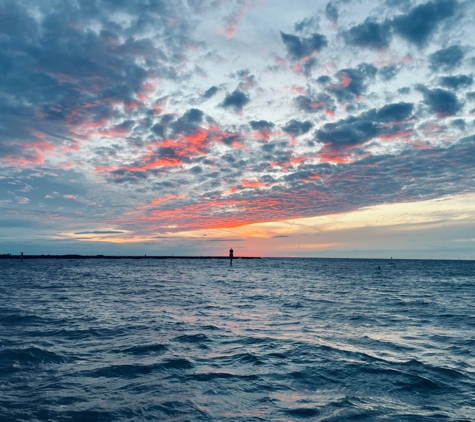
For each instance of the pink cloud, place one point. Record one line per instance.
(251, 183)
(232, 24)
(397, 135)
(345, 80)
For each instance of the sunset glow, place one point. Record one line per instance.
(334, 128)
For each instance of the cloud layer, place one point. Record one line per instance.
(147, 118)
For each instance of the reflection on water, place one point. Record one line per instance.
(266, 340)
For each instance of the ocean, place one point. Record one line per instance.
(264, 340)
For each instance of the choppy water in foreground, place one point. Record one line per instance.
(271, 339)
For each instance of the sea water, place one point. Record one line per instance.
(264, 340)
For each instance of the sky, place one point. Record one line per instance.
(278, 128)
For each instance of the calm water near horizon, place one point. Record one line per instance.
(270, 339)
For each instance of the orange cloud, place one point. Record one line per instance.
(162, 162)
(163, 199)
(252, 184)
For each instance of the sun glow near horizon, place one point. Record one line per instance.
(401, 225)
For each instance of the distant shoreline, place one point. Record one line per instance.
(74, 256)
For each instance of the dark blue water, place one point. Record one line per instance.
(271, 339)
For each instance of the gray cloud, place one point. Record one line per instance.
(370, 34)
(210, 92)
(441, 101)
(58, 73)
(236, 100)
(446, 58)
(261, 125)
(331, 12)
(309, 24)
(389, 72)
(313, 105)
(354, 131)
(324, 79)
(296, 128)
(459, 124)
(354, 81)
(455, 82)
(299, 47)
(419, 23)
(189, 122)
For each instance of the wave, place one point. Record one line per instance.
(13, 359)
(146, 349)
(272, 340)
(193, 338)
(137, 370)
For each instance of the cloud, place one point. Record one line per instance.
(419, 23)
(393, 112)
(17, 222)
(331, 12)
(233, 20)
(324, 79)
(455, 82)
(308, 24)
(300, 47)
(297, 128)
(225, 239)
(236, 100)
(196, 170)
(210, 92)
(313, 105)
(261, 125)
(158, 129)
(137, 108)
(102, 232)
(389, 72)
(378, 179)
(370, 34)
(68, 78)
(188, 123)
(446, 58)
(459, 124)
(353, 81)
(440, 101)
(247, 80)
(354, 131)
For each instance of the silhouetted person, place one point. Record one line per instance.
(21, 256)
(231, 257)
(379, 268)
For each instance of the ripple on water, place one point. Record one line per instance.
(271, 339)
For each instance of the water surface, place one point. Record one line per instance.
(270, 339)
